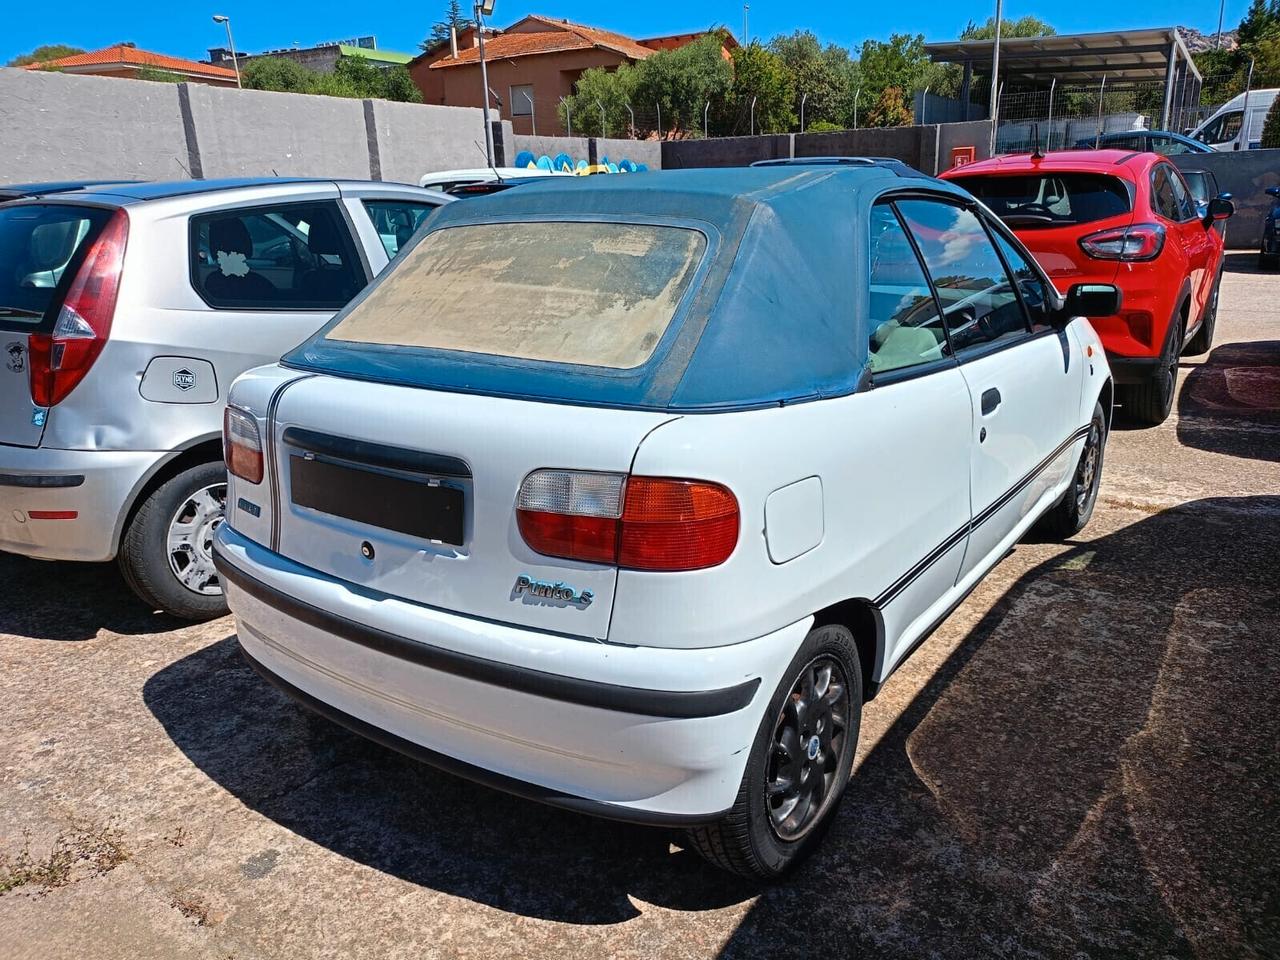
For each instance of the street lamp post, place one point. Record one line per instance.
(226, 22)
(485, 8)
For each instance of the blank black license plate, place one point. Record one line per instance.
(415, 507)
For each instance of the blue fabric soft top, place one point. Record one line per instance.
(776, 314)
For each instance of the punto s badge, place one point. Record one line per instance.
(532, 590)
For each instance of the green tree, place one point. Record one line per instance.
(50, 51)
(277, 73)
(1262, 21)
(890, 110)
(822, 77)
(1027, 26)
(598, 88)
(453, 20)
(759, 75)
(901, 62)
(676, 82)
(352, 77)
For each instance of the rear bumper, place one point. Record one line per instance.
(648, 735)
(94, 485)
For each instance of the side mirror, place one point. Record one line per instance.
(1220, 208)
(1273, 191)
(1092, 300)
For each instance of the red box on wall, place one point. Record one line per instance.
(962, 155)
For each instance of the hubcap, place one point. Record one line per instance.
(190, 539)
(808, 741)
(1087, 471)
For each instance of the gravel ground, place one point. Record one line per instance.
(1081, 762)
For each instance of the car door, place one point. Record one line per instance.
(918, 382)
(269, 273)
(1022, 376)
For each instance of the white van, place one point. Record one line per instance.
(1228, 130)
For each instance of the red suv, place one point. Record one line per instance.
(1113, 216)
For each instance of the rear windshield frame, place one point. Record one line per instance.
(98, 216)
(994, 177)
(515, 376)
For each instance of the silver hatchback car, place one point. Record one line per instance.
(126, 311)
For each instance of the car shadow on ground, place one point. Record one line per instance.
(49, 600)
(1092, 769)
(1230, 404)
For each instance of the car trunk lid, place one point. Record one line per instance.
(411, 493)
(41, 248)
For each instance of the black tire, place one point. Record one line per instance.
(145, 547)
(1202, 342)
(1070, 514)
(1151, 401)
(747, 840)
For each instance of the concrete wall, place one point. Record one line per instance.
(249, 133)
(412, 139)
(591, 149)
(648, 152)
(59, 127)
(54, 127)
(1245, 175)
(926, 148)
(725, 151)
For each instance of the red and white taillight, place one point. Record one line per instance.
(639, 523)
(60, 359)
(242, 445)
(1134, 243)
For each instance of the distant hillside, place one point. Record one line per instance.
(1197, 41)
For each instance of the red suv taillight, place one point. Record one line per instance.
(640, 523)
(1141, 241)
(60, 360)
(241, 445)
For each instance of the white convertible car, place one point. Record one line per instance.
(626, 495)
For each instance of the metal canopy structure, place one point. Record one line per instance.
(1126, 58)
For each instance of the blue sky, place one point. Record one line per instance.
(185, 28)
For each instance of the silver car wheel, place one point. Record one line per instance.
(190, 539)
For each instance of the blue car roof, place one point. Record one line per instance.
(778, 313)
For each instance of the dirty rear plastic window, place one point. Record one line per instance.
(592, 294)
(38, 247)
(1049, 200)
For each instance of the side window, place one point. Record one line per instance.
(522, 100)
(1163, 198)
(1225, 128)
(1181, 195)
(904, 323)
(1030, 284)
(290, 256)
(978, 299)
(396, 221)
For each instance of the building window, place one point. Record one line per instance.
(522, 100)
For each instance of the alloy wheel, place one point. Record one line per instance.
(808, 742)
(190, 539)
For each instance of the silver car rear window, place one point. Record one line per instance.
(593, 294)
